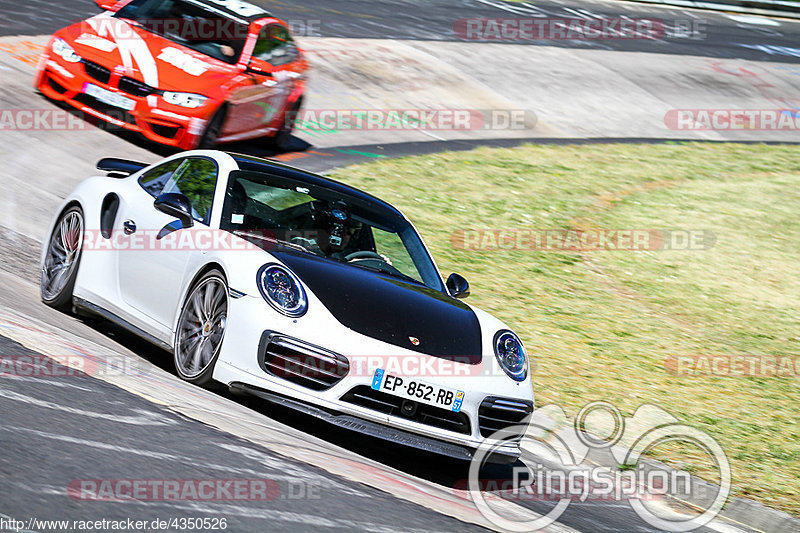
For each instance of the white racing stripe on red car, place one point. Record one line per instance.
(132, 48)
(97, 42)
(137, 48)
(186, 62)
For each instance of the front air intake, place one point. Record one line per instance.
(496, 413)
(365, 396)
(300, 362)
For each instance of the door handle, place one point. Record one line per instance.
(129, 227)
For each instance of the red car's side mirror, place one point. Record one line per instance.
(259, 66)
(107, 4)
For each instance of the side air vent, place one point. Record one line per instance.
(108, 214)
(496, 413)
(301, 363)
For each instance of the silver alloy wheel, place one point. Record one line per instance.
(63, 253)
(201, 327)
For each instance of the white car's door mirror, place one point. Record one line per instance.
(176, 205)
(458, 286)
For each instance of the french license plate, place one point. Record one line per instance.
(418, 391)
(108, 97)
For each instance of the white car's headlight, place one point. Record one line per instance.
(511, 355)
(282, 290)
(65, 51)
(184, 99)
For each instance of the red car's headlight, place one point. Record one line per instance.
(65, 51)
(184, 99)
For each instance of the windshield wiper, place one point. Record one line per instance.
(273, 240)
(393, 273)
(296, 246)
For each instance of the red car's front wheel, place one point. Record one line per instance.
(209, 138)
(282, 140)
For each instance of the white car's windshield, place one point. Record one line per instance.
(326, 223)
(191, 25)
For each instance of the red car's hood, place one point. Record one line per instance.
(146, 56)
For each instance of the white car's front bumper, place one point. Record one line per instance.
(241, 366)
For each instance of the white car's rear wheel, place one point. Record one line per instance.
(62, 258)
(201, 329)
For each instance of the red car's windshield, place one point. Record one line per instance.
(191, 25)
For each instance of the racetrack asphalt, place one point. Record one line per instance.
(711, 34)
(68, 427)
(45, 447)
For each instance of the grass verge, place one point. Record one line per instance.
(603, 324)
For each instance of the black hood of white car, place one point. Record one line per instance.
(390, 309)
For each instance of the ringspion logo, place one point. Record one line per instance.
(554, 468)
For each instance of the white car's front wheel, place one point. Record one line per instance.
(201, 329)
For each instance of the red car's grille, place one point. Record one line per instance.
(135, 87)
(97, 72)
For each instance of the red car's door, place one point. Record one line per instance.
(259, 105)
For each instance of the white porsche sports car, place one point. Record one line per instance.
(294, 288)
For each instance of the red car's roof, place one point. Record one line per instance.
(235, 8)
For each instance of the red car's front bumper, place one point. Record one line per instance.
(156, 120)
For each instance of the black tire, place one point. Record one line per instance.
(201, 329)
(209, 139)
(62, 260)
(282, 140)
